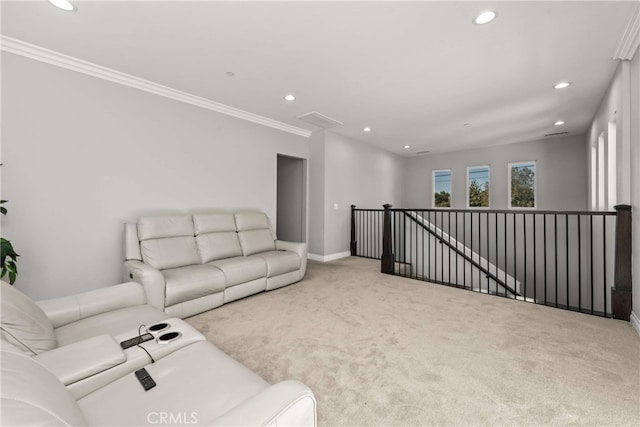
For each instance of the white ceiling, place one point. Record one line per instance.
(415, 72)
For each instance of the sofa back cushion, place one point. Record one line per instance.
(254, 232)
(31, 395)
(24, 324)
(214, 246)
(216, 236)
(168, 241)
(214, 222)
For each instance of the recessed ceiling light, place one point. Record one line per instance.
(407, 146)
(559, 123)
(562, 85)
(485, 17)
(367, 129)
(290, 97)
(63, 4)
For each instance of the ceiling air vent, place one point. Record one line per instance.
(556, 134)
(319, 120)
(423, 152)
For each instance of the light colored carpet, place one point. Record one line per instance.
(383, 350)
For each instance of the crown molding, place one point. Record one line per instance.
(630, 40)
(28, 50)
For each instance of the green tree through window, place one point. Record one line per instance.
(442, 188)
(522, 177)
(478, 186)
(443, 199)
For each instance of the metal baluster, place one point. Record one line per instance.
(535, 267)
(486, 216)
(495, 229)
(506, 262)
(579, 264)
(604, 261)
(544, 227)
(566, 221)
(515, 250)
(524, 228)
(555, 231)
(591, 256)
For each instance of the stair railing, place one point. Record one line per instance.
(559, 259)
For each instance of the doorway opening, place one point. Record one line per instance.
(291, 197)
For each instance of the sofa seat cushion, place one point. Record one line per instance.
(198, 382)
(191, 282)
(279, 262)
(111, 323)
(241, 269)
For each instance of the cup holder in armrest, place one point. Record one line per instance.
(169, 337)
(158, 327)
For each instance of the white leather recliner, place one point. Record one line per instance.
(35, 327)
(87, 378)
(193, 263)
(198, 385)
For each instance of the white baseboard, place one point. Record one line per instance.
(635, 322)
(330, 257)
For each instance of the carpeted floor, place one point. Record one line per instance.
(382, 350)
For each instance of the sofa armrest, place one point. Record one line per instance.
(62, 311)
(151, 279)
(288, 403)
(299, 248)
(82, 359)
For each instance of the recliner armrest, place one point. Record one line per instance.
(288, 403)
(65, 310)
(82, 359)
(299, 248)
(151, 279)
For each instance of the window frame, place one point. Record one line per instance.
(488, 166)
(433, 188)
(535, 184)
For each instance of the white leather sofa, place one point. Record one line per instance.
(78, 374)
(193, 263)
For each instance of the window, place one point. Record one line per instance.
(602, 202)
(478, 187)
(522, 185)
(442, 188)
(594, 176)
(611, 164)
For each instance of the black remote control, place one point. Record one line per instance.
(135, 341)
(145, 379)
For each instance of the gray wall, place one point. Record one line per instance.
(622, 101)
(345, 172)
(360, 174)
(82, 156)
(291, 199)
(561, 173)
(635, 180)
(316, 194)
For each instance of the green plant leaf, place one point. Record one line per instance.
(8, 260)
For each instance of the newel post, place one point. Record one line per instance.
(354, 244)
(621, 291)
(388, 261)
